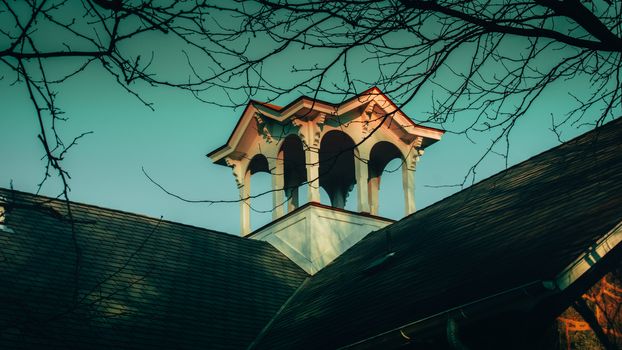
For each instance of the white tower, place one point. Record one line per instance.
(333, 146)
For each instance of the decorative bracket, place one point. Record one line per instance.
(369, 110)
(417, 142)
(302, 130)
(415, 153)
(262, 127)
(371, 117)
(237, 171)
(317, 127)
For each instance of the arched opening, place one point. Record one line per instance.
(337, 166)
(391, 190)
(258, 164)
(294, 169)
(260, 183)
(380, 156)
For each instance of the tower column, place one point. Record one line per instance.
(245, 204)
(408, 180)
(243, 181)
(373, 186)
(312, 160)
(362, 186)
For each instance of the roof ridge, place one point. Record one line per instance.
(139, 215)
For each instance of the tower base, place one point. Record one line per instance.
(314, 235)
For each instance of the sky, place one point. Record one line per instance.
(171, 144)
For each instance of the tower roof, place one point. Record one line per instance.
(307, 107)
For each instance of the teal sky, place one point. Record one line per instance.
(171, 143)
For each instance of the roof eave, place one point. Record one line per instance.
(481, 308)
(218, 155)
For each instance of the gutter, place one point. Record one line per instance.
(591, 256)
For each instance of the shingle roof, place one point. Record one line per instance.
(148, 283)
(142, 283)
(524, 224)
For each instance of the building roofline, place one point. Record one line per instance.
(49, 199)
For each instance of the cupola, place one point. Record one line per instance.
(317, 144)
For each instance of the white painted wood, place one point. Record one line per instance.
(590, 257)
(360, 167)
(314, 236)
(245, 208)
(312, 159)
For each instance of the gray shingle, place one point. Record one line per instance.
(142, 283)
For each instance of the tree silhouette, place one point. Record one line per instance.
(479, 65)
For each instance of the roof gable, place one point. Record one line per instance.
(307, 107)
